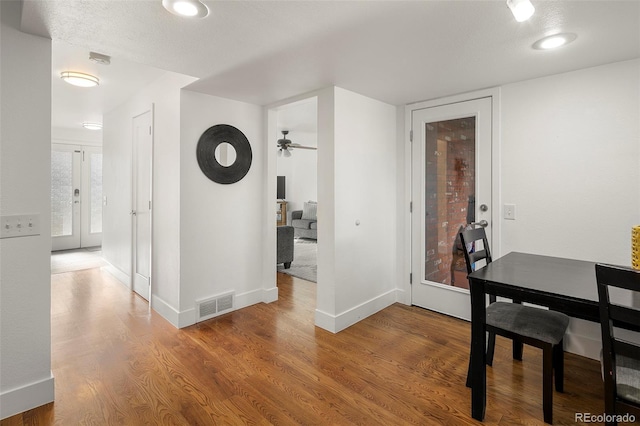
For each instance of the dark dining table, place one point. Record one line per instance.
(564, 285)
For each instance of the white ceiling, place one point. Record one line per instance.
(395, 51)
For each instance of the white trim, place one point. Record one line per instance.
(188, 317)
(270, 295)
(167, 311)
(122, 277)
(351, 316)
(27, 397)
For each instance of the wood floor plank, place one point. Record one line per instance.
(116, 363)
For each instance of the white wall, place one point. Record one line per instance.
(222, 226)
(363, 154)
(570, 155)
(76, 136)
(164, 96)
(570, 152)
(25, 187)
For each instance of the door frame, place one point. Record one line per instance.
(150, 110)
(496, 196)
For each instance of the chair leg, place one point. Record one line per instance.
(517, 349)
(491, 346)
(547, 384)
(558, 366)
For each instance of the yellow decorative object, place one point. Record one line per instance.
(635, 247)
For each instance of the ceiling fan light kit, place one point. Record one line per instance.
(285, 145)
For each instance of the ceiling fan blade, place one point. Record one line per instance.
(295, 145)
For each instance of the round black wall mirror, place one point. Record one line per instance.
(214, 164)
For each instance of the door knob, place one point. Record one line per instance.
(484, 207)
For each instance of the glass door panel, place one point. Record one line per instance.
(450, 154)
(92, 197)
(65, 196)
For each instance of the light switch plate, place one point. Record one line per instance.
(510, 211)
(22, 225)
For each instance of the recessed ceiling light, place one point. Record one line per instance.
(186, 8)
(554, 41)
(521, 9)
(79, 79)
(92, 126)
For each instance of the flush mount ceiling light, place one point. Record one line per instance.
(92, 126)
(186, 8)
(554, 41)
(521, 9)
(79, 79)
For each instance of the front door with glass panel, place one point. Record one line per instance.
(451, 190)
(76, 196)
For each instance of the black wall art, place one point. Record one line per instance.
(206, 154)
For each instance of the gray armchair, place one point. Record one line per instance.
(284, 245)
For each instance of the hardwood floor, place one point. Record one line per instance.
(116, 364)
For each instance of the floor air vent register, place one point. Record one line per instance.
(214, 306)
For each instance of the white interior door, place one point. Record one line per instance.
(66, 173)
(141, 212)
(451, 188)
(91, 205)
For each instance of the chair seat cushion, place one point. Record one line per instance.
(302, 223)
(628, 378)
(541, 324)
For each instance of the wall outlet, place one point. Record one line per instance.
(23, 225)
(510, 211)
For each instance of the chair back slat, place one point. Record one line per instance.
(471, 239)
(624, 315)
(628, 349)
(612, 346)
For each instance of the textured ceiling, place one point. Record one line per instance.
(395, 51)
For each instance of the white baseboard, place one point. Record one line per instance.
(26, 397)
(270, 295)
(337, 323)
(188, 317)
(124, 279)
(167, 311)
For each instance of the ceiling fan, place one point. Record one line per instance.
(285, 145)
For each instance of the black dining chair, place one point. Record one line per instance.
(620, 358)
(541, 328)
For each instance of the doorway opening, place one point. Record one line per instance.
(297, 175)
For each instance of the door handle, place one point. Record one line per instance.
(132, 212)
(483, 223)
